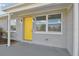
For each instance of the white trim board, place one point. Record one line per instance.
(75, 29)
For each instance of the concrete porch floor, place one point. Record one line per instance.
(26, 49)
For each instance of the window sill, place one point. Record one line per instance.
(12, 31)
(60, 33)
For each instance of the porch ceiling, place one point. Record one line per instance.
(35, 8)
(19, 7)
(41, 8)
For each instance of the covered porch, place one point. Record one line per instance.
(67, 40)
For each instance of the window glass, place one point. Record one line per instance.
(40, 23)
(40, 27)
(13, 25)
(41, 18)
(54, 22)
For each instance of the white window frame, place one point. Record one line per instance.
(48, 32)
(35, 24)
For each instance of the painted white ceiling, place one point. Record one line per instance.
(4, 5)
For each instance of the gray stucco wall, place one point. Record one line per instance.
(70, 31)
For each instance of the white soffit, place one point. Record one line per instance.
(27, 6)
(42, 8)
(15, 7)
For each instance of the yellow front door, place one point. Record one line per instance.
(28, 28)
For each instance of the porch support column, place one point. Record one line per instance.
(9, 17)
(75, 29)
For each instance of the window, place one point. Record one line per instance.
(13, 25)
(48, 23)
(41, 23)
(54, 23)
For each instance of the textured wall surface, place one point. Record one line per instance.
(70, 31)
